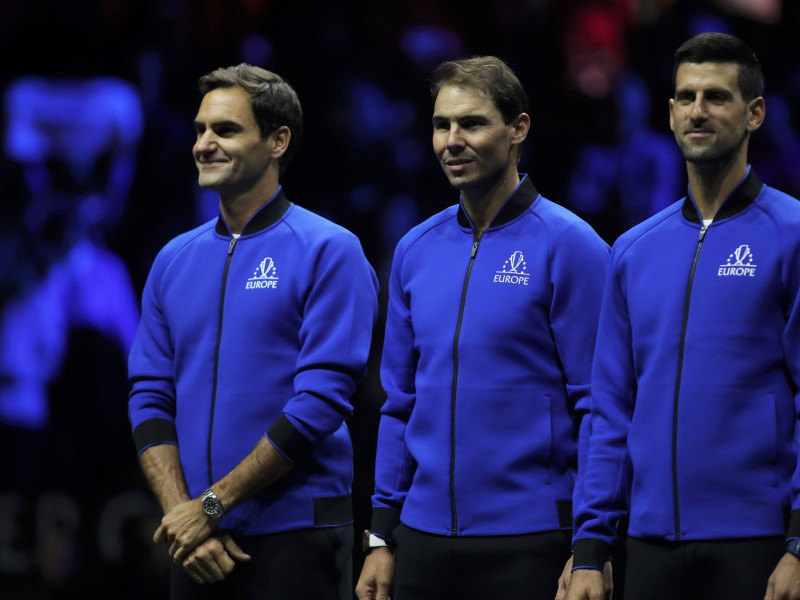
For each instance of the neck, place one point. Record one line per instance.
(238, 209)
(482, 206)
(710, 184)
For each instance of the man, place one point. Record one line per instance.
(257, 321)
(694, 383)
(493, 306)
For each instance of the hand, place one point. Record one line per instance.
(784, 583)
(213, 560)
(184, 528)
(587, 584)
(376, 576)
(563, 581)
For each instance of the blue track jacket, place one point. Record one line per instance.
(694, 383)
(267, 333)
(486, 367)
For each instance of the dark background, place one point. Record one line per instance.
(82, 219)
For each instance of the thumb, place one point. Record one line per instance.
(233, 548)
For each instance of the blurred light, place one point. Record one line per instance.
(430, 44)
(256, 50)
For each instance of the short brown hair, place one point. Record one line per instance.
(273, 100)
(488, 74)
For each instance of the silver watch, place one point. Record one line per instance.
(211, 504)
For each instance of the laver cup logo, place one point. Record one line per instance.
(265, 276)
(739, 264)
(513, 271)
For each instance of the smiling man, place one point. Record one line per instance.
(255, 328)
(493, 305)
(697, 364)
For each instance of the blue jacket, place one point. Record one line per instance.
(267, 333)
(486, 365)
(694, 383)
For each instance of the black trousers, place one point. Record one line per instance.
(511, 567)
(710, 570)
(294, 565)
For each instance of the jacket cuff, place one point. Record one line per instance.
(384, 520)
(794, 525)
(154, 431)
(288, 440)
(590, 553)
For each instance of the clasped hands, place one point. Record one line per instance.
(187, 530)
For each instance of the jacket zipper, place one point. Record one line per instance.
(231, 246)
(681, 347)
(475, 244)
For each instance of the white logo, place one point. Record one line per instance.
(739, 264)
(265, 276)
(513, 270)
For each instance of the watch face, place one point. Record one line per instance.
(212, 506)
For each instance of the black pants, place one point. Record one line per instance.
(713, 570)
(511, 567)
(294, 565)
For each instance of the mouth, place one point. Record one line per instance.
(456, 165)
(698, 133)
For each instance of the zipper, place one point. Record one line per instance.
(681, 347)
(475, 244)
(231, 246)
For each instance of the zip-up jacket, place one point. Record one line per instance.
(486, 366)
(265, 333)
(694, 382)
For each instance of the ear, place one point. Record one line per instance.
(280, 141)
(756, 111)
(521, 125)
(671, 114)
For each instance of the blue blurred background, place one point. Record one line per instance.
(96, 174)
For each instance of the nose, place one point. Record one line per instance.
(454, 138)
(698, 112)
(205, 143)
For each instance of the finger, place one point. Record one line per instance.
(197, 571)
(160, 535)
(233, 548)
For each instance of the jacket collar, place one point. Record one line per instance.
(517, 203)
(740, 198)
(267, 215)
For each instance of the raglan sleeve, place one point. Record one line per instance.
(791, 351)
(394, 466)
(151, 401)
(579, 263)
(605, 478)
(339, 313)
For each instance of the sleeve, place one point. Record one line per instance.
(394, 466)
(605, 478)
(339, 313)
(791, 351)
(578, 273)
(151, 402)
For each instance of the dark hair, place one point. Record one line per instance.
(723, 48)
(488, 74)
(272, 99)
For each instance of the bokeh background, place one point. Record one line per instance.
(96, 174)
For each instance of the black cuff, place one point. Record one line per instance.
(794, 525)
(384, 520)
(590, 552)
(154, 431)
(289, 441)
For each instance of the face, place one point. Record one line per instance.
(230, 154)
(710, 119)
(473, 144)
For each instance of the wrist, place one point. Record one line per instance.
(371, 542)
(212, 505)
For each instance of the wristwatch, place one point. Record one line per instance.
(793, 547)
(370, 541)
(211, 504)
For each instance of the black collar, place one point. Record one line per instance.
(740, 198)
(516, 204)
(267, 215)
